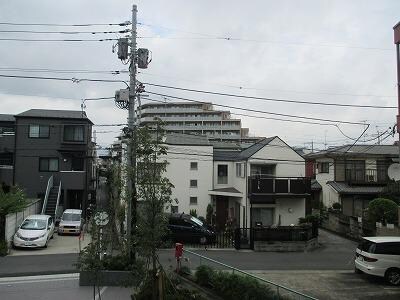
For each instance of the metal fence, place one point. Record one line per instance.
(282, 292)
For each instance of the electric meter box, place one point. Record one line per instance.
(143, 58)
(123, 48)
(122, 95)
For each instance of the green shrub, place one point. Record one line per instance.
(313, 219)
(383, 210)
(193, 212)
(204, 275)
(233, 286)
(337, 206)
(3, 248)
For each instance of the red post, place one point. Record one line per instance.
(178, 255)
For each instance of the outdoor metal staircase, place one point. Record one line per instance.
(52, 202)
(51, 199)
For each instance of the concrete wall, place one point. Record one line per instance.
(180, 174)
(294, 246)
(14, 220)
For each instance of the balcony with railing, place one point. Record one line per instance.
(268, 185)
(366, 176)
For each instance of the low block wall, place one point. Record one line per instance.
(286, 246)
(384, 231)
(14, 220)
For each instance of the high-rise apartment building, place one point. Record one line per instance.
(195, 118)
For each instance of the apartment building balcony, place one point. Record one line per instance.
(367, 176)
(163, 110)
(279, 186)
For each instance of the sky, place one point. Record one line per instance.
(330, 51)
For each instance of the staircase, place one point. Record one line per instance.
(52, 202)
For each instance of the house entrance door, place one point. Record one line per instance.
(222, 211)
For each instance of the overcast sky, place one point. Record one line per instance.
(336, 51)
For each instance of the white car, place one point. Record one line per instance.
(379, 256)
(71, 222)
(35, 231)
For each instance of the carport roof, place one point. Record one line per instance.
(344, 188)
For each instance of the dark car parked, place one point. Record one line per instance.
(188, 229)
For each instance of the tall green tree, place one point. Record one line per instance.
(154, 196)
(383, 210)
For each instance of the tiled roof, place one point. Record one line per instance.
(315, 186)
(357, 150)
(244, 154)
(54, 114)
(6, 118)
(344, 188)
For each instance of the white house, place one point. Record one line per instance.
(263, 184)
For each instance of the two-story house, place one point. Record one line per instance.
(261, 185)
(54, 144)
(353, 175)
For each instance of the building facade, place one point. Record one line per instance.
(353, 175)
(58, 144)
(196, 119)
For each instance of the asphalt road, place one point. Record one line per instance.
(335, 253)
(60, 287)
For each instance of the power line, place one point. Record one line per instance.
(56, 40)
(268, 99)
(260, 111)
(66, 25)
(242, 87)
(12, 69)
(64, 32)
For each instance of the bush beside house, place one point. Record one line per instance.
(383, 210)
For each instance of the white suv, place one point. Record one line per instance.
(71, 222)
(379, 256)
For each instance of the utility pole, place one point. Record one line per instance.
(131, 159)
(396, 29)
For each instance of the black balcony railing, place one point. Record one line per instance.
(279, 185)
(366, 176)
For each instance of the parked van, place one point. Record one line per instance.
(379, 256)
(71, 222)
(188, 229)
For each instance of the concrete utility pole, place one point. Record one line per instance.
(131, 178)
(396, 29)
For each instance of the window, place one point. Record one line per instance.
(6, 129)
(222, 174)
(239, 169)
(6, 159)
(324, 167)
(193, 201)
(48, 164)
(73, 133)
(77, 164)
(266, 170)
(193, 183)
(174, 208)
(39, 131)
(193, 165)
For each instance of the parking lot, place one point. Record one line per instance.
(58, 245)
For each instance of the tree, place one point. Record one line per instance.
(383, 210)
(154, 196)
(11, 201)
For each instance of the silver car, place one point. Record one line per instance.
(35, 231)
(71, 222)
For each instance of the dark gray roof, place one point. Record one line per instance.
(6, 118)
(315, 186)
(185, 139)
(344, 188)
(357, 150)
(244, 154)
(53, 114)
(227, 190)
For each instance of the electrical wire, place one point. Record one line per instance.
(55, 40)
(259, 111)
(113, 72)
(66, 25)
(268, 99)
(63, 32)
(242, 87)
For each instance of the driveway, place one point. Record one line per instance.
(58, 245)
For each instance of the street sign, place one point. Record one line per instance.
(101, 218)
